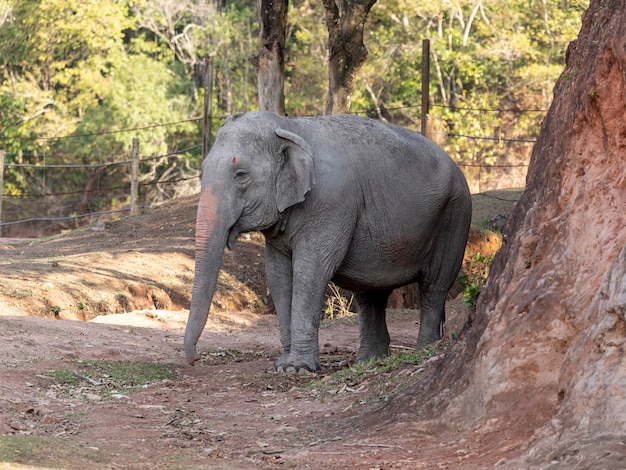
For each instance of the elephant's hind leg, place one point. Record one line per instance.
(445, 262)
(432, 315)
(372, 324)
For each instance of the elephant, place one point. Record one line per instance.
(353, 200)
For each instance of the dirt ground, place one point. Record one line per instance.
(115, 295)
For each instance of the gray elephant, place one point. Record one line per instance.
(365, 204)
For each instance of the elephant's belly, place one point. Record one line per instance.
(378, 280)
(383, 257)
(373, 270)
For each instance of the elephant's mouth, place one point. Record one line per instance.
(275, 226)
(233, 234)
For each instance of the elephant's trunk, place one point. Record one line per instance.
(211, 235)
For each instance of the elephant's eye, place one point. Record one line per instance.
(241, 176)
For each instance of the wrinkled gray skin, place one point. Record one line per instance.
(365, 204)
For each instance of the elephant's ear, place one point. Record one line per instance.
(296, 177)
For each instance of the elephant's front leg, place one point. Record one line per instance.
(310, 278)
(279, 273)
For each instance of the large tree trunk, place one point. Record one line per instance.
(542, 361)
(270, 63)
(345, 20)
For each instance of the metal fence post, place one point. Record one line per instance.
(425, 85)
(1, 186)
(134, 177)
(207, 106)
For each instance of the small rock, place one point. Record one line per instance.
(51, 420)
(93, 397)
(17, 426)
(119, 396)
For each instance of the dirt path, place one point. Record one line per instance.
(229, 411)
(114, 392)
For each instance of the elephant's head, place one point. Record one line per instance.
(255, 170)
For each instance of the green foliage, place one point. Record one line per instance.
(136, 95)
(54, 56)
(502, 55)
(65, 377)
(20, 449)
(306, 74)
(17, 449)
(378, 379)
(88, 69)
(471, 293)
(126, 374)
(474, 277)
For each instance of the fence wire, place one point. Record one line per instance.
(100, 198)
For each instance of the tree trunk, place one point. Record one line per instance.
(84, 205)
(345, 21)
(544, 353)
(270, 63)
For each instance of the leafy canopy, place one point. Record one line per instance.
(85, 68)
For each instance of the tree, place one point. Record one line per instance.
(493, 65)
(345, 21)
(270, 62)
(54, 58)
(306, 47)
(191, 30)
(70, 69)
(545, 350)
(176, 23)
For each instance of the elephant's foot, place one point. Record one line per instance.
(297, 363)
(424, 340)
(282, 360)
(372, 351)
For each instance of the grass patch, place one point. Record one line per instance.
(17, 293)
(360, 371)
(131, 373)
(65, 377)
(373, 381)
(19, 449)
(112, 377)
(44, 452)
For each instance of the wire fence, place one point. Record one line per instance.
(92, 192)
(506, 165)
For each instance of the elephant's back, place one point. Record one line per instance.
(371, 142)
(383, 164)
